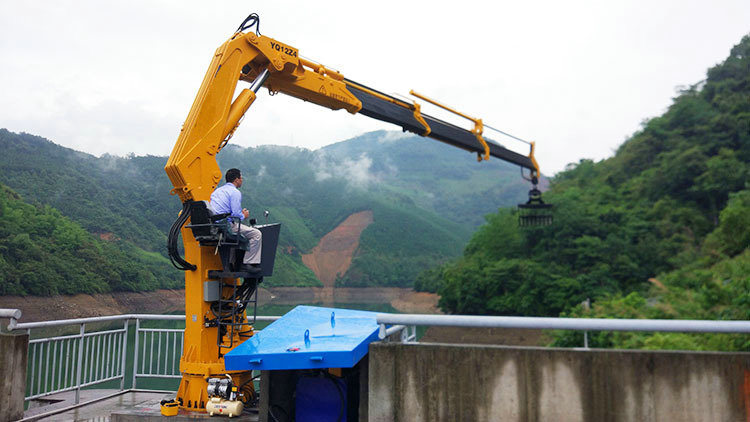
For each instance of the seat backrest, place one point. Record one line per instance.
(210, 210)
(200, 214)
(212, 216)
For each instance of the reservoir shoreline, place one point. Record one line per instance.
(46, 308)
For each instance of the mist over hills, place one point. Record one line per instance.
(426, 198)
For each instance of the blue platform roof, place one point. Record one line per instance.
(307, 337)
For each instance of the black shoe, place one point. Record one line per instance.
(250, 268)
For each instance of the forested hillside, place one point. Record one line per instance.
(659, 230)
(433, 175)
(125, 202)
(45, 253)
(315, 195)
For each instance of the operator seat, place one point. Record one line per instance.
(215, 230)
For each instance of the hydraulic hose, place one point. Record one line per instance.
(174, 232)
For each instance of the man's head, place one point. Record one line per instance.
(234, 176)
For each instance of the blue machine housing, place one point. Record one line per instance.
(320, 400)
(307, 337)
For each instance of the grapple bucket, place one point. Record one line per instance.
(534, 212)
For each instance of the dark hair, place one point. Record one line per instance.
(232, 175)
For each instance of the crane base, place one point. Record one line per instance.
(192, 393)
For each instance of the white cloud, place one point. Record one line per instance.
(108, 126)
(577, 77)
(391, 136)
(287, 192)
(355, 171)
(261, 172)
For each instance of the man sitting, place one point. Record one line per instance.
(227, 199)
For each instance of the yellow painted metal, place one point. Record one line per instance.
(314, 87)
(420, 119)
(478, 126)
(533, 159)
(319, 68)
(441, 105)
(237, 110)
(170, 408)
(192, 166)
(477, 131)
(194, 173)
(301, 78)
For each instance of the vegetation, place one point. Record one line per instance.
(393, 254)
(672, 206)
(659, 230)
(434, 176)
(321, 191)
(44, 253)
(126, 202)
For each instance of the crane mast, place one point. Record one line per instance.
(214, 116)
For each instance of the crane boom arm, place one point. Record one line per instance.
(264, 61)
(387, 108)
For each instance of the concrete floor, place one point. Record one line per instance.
(126, 407)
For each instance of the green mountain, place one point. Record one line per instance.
(661, 229)
(44, 253)
(108, 195)
(433, 175)
(125, 200)
(315, 196)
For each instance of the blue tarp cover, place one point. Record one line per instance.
(307, 337)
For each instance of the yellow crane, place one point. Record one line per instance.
(194, 172)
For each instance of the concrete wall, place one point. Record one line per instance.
(438, 382)
(13, 350)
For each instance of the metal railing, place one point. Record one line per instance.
(97, 354)
(391, 324)
(62, 363)
(77, 361)
(148, 339)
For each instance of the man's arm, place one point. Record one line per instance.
(235, 205)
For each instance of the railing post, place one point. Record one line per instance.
(80, 363)
(124, 354)
(135, 352)
(587, 306)
(14, 349)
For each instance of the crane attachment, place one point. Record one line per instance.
(534, 212)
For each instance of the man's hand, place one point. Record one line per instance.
(245, 212)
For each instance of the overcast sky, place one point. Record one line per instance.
(577, 77)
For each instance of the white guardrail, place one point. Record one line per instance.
(74, 361)
(399, 321)
(405, 324)
(95, 350)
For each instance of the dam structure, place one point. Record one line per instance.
(120, 367)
